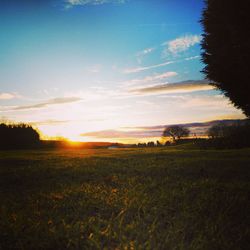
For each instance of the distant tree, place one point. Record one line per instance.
(226, 49)
(241, 130)
(151, 144)
(217, 131)
(175, 132)
(232, 136)
(158, 144)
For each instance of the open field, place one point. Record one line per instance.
(155, 198)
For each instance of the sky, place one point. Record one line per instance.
(102, 70)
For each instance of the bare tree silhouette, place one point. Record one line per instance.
(175, 131)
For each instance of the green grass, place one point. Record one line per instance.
(125, 199)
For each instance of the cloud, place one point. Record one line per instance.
(160, 76)
(139, 69)
(49, 122)
(214, 102)
(143, 53)
(157, 77)
(146, 51)
(7, 96)
(51, 102)
(181, 44)
(178, 87)
(71, 3)
(192, 58)
(119, 134)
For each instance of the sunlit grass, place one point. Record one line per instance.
(124, 199)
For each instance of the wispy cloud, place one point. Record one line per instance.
(192, 58)
(55, 101)
(160, 76)
(178, 87)
(151, 79)
(119, 134)
(45, 104)
(214, 102)
(181, 44)
(141, 54)
(139, 69)
(49, 122)
(7, 96)
(71, 3)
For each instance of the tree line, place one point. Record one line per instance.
(234, 136)
(219, 136)
(18, 136)
(23, 136)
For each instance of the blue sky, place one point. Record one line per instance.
(72, 67)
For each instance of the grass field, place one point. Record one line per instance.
(155, 198)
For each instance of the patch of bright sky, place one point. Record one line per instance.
(61, 49)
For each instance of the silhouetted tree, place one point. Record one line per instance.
(151, 144)
(233, 136)
(217, 131)
(18, 136)
(226, 49)
(175, 132)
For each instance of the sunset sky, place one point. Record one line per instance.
(103, 70)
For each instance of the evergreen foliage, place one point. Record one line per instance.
(226, 49)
